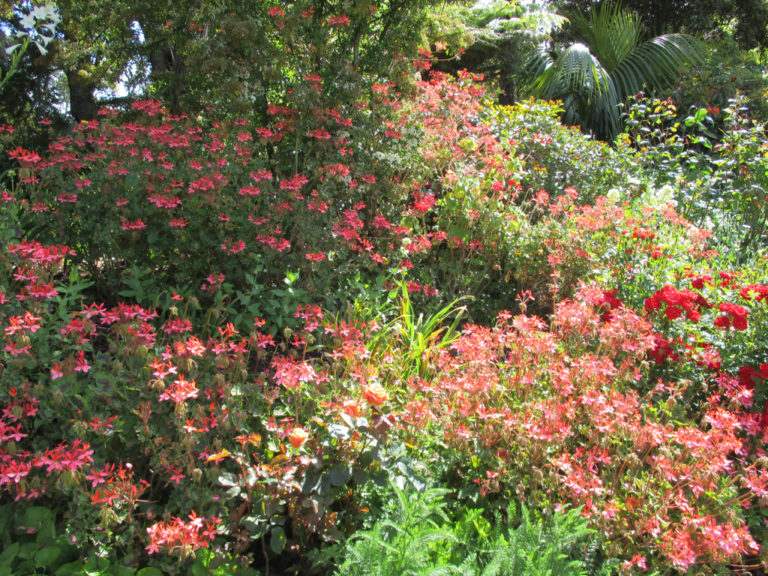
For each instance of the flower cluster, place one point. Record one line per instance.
(677, 303)
(177, 536)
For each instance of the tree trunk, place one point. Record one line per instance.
(82, 104)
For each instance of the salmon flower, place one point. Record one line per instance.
(297, 436)
(375, 394)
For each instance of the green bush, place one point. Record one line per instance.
(716, 170)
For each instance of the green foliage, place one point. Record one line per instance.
(541, 546)
(31, 541)
(608, 62)
(137, 237)
(717, 170)
(288, 361)
(554, 157)
(34, 543)
(710, 19)
(492, 39)
(725, 73)
(419, 337)
(27, 42)
(418, 537)
(38, 28)
(414, 539)
(234, 56)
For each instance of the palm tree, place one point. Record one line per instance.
(608, 62)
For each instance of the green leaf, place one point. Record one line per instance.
(277, 540)
(150, 571)
(122, 571)
(339, 431)
(35, 516)
(339, 474)
(361, 477)
(347, 419)
(45, 557)
(7, 555)
(70, 569)
(311, 483)
(198, 568)
(28, 550)
(95, 566)
(5, 520)
(256, 526)
(227, 479)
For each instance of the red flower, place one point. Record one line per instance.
(342, 20)
(722, 322)
(673, 312)
(738, 313)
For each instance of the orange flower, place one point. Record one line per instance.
(297, 436)
(352, 408)
(375, 394)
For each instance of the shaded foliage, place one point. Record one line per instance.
(706, 18)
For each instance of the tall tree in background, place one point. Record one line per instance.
(192, 54)
(607, 62)
(30, 91)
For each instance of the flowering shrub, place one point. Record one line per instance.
(242, 332)
(239, 223)
(165, 203)
(553, 416)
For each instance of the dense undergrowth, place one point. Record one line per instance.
(428, 330)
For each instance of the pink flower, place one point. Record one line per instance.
(291, 374)
(56, 371)
(81, 364)
(339, 21)
(180, 391)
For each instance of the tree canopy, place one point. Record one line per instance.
(193, 54)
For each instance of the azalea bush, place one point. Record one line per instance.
(166, 204)
(151, 426)
(245, 221)
(548, 416)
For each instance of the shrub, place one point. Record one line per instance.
(716, 171)
(553, 415)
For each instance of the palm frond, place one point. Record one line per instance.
(610, 32)
(579, 68)
(537, 68)
(574, 69)
(599, 113)
(662, 59)
(606, 65)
